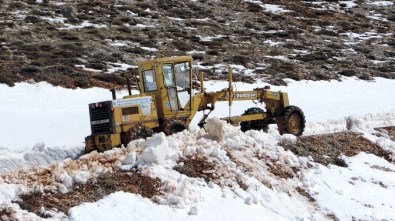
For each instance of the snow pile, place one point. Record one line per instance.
(156, 150)
(40, 154)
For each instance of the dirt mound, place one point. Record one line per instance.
(327, 148)
(73, 44)
(94, 190)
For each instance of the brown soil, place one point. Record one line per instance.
(326, 149)
(214, 171)
(92, 191)
(280, 171)
(197, 166)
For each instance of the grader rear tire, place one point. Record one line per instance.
(173, 126)
(255, 124)
(294, 120)
(136, 132)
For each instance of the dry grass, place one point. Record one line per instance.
(326, 149)
(94, 190)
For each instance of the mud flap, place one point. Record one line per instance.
(280, 125)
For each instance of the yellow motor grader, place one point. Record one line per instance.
(167, 103)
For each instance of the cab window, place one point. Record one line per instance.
(182, 75)
(150, 80)
(168, 75)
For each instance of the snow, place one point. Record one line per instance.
(156, 150)
(87, 69)
(273, 43)
(144, 26)
(353, 192)
(321, 100)
(56, 20)
(40, 112)
(209, 38)
(119, 67)
(149, 49)
(54, 144)
(269, 7)
(381, 3)
(84, 24)
(129, 205)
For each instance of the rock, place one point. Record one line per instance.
(68, 11)
(347, 73)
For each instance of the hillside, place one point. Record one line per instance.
(90, 43)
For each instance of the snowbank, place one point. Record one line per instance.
(40, 154)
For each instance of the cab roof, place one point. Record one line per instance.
(174, 59)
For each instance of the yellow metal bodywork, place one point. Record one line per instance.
(124, 120)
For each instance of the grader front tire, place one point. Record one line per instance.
(294, 120)
(173, 126)
(255, 124)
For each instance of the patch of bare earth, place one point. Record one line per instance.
(92, 191)
(197, 166)
(327, 148)
(211, 170)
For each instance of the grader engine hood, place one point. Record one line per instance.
(101, 117)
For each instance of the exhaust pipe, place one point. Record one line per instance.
(128, 83)
(114, 96)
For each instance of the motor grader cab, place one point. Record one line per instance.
(167, 103)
